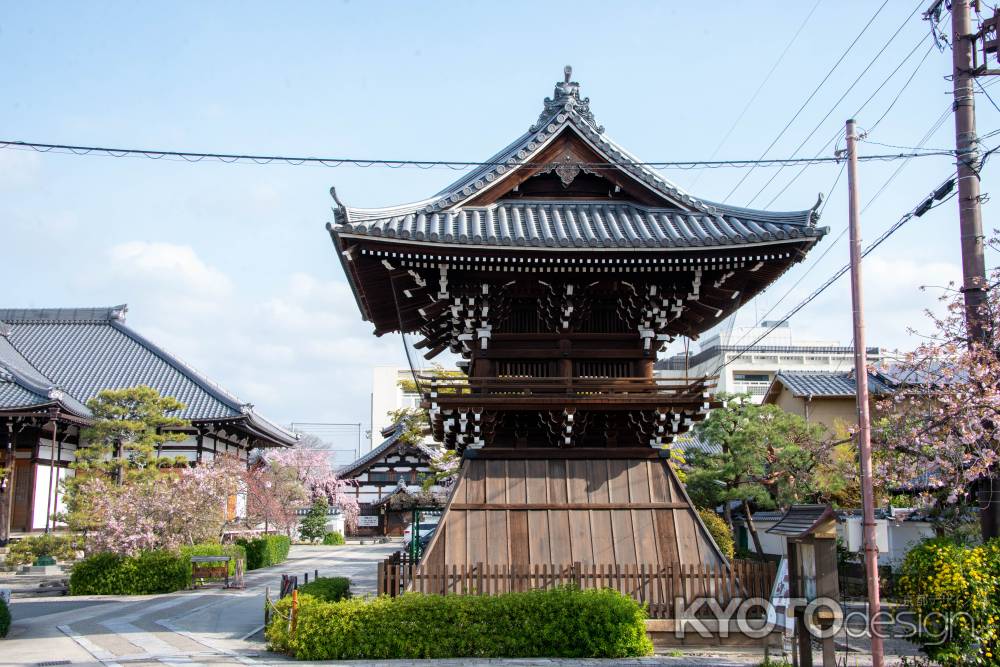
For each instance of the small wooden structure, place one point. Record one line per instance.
(207, 568)
(811, 532)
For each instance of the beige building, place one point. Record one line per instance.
(822, 397)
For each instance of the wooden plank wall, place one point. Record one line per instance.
(588, 511)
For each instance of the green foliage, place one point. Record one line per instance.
(236, 551)
(769, 456)
(61, 547)
(413, 422)
(563, 622)
(313, 525)
(720, 532)
(129, 428)
(955, 589)
(265, 550)
(112, 574)
(4, 619)
(334, 538)
(328, 589)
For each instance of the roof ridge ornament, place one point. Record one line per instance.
(566, 99)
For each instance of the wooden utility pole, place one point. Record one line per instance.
(861, 382)
(970, 219)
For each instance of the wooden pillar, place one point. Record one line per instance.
(7, 481)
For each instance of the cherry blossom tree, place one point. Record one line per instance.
(312, 469)
(168, 511)
(938, 436)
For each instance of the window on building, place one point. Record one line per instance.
(393, 476)
(751, 377)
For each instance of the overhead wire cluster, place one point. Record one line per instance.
(261, 159)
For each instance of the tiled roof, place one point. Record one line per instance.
(799, 520)
(693, 441)
(584, 225)
(374, 454)
(391, 435)
(828, 383)
(82, 351)
(692, 222)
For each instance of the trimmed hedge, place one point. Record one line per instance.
(334, 538)
(266, 550)
(328, 589)
(113, 574)
(4, 619)
(563, 622)
(150, 572)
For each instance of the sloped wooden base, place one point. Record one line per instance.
(563, 510)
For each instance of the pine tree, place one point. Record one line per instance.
(313, 526)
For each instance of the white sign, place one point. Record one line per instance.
(777, 612)
(367, 521)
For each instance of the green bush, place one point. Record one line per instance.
(26, 550)
(328, 589)
(955, 589)
(564, 622)
(333, 538)
(266, 550)
(4, 619)
(720, 532)
(212, 549)
(113, 574)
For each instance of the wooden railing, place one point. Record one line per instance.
(437, 387)
(661, 587)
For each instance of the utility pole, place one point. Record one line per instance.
(861, 382)
(970, 219)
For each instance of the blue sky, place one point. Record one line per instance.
(230, 267)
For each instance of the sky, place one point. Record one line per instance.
(230, 267)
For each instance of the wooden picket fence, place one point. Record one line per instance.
(658, 586)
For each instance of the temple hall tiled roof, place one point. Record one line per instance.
(586, 225)
(686, 221)
(79, 352)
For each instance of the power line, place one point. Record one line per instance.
(857, 80)
(816, 262)
(230, 158)
(760, 87)
(858, 113)
(941, 194)
(850, 47)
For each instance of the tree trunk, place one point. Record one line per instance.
(753, 529)
(727, 514)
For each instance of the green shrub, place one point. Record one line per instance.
(329, 589)
(266, 550)
(4, 619)
(564, 622)
(313, 525)
(955, 589)
(720, 531)
(25, 551)
(212, 549)
(333, 538)
(113, 574)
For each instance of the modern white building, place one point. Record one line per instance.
(388, 395)
(745, 365)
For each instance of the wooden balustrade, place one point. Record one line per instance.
(571, 386)
(660, 587)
